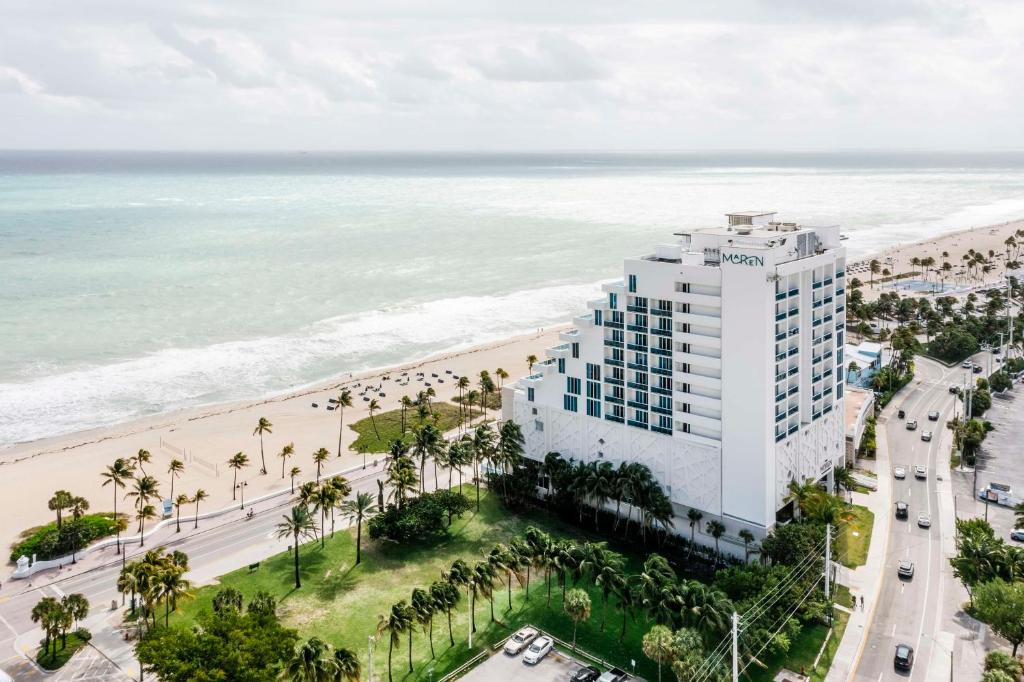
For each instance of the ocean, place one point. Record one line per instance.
(137, 283)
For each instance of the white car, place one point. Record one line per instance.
(924, 521)
(899, 472)
(926, 436)
(911, 425)
(920, 471)
(538, 650)
(1017, 534)
(517, 642)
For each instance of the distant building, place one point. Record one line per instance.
(868, 358)
(717, 362)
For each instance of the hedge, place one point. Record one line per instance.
(46, 542)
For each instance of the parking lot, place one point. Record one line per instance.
(555, 667)
(1001, 461)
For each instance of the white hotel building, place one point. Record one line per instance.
(717, 362)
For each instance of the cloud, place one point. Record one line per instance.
(551, 59)
(208, 54)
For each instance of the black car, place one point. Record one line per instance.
(587, 674)
(901, 510)
(904, 659)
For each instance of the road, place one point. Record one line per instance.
(918, 611)
(220, 545)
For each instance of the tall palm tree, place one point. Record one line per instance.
(170, 587)
(174, 470)
(398, 621)
(446, 597)
(179, 502)
(577, 606)
(427, 441)
(346, 664)
(295, 471)
(343, 400)
(402, 479)
(262, 426)
(342, 490)
(659, 646)
(483, 582)
(142, 457)
(237, 462)
(531, 360)
(117, 475)
(405, 404)
(357, 509)
(471, 397)
(323, 497)
(486, 388)
(502, 376)
(60, 501)
(423, 607)
(286, 452)
(373, 407)
(483, 449)
(461, 575)
(312, 661)
(144, 513)
(747, 538)
(143, 490)
(297, 525)
(462, 385)
(695, 517)
(319, 457)
(716, 530)
(197, 498)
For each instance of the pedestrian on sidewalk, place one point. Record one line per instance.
(862, 602)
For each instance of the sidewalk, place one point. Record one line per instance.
(866, 581)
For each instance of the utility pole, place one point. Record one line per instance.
(735, 647)
(369, 657)
(828, 556)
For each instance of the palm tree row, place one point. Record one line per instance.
(57, 617)
(157, 578)
(317, 661)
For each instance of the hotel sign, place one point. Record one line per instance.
(743, 259)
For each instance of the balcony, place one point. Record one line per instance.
(793, 429)
(661, 371)
(636, 308)
(780, 296)
(794, 350)
(794, 331)
(659, 429)
(613, 325)
(561, 351)
(779, 317)
(699, 339)
(612, 343)
(794, 292)
(661, 410)
(699, 360)
(817, 304)
(635, 405)
(698, 319)
(794, 311)
(636, 328)
(661, 351)
(614, 381)
(817, 322)
(636, 366)
(639, 425)
(614, 363)
(614, 418)
(698, 380)
(780, 336)
(662, 312)
(636, 346)
(793, 370)
(699, 299)
(840, 308)
(613, 399)
(793, 390)
(793, 410)
(828, 281)
(816, 285)
(779, 417)
(639, 387)
(780, 377)
(661, 391)
(840, 274)
(780, 396)
(661, 332)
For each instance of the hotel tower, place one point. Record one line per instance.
(717, 362)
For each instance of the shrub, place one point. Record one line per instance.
(420, 517)
(953, 344)
(1003, 662)
(83, 634)
(46, 542)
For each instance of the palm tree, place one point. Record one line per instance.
(462, 385)
(179, 502)
(116, 475)
(402, 479)
(298, 524)
(874, 267)
(483, 582)
(486, 388)
(197, 498)
(716, 530)
(405, 404)
(373, 407)
(398, 621)
(446, 597)
(145, 513)
(502, 375)
(295, 471)
(342, 490)
(658, 645)
(346, 666)
(356, 510)
(262, 427)
(695, 518)
(343, 400)
(143, 457)
(483, 448)
(427, 441)
(170, 587)
(237, 462)
(143, 490)
(311, 662)
(286, 452)
(79, 505)
(531, 360)
(843, 479)
(77, 605)
(174, 469)
(424, 606)
(60, 501)
(577, 606)
(747, 538)
(47, 613)
(801, 492)
(321, 498)
(319, 457)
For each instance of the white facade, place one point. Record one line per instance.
(717, 362)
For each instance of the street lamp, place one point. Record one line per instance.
(369, 654)
(241, 487)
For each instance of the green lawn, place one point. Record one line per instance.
(853, 550)
(802, 652)
(63, 655)
(340, 602)
(389, 426)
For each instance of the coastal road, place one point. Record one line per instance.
(912, 611)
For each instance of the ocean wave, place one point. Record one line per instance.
(187, 377)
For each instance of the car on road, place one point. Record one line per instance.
(911, 425)
(899, 472)
(953, 388)
(976, 369)
(920, 471)
(538, 650)
(924, 521)
(587, 674)
(1017, 534)
(967, 364)
(519, 641)
(905, 569)
(613, 675)
(902, 510)
(926, 436)
(933, 416)
(904, 659)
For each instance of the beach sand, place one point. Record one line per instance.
(208, 436)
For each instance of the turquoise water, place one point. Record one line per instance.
(135, 284)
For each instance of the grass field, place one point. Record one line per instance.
(389, 426)
(63, 655)
(803, 651)
(853, 549)
(340, 602)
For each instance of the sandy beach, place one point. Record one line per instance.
(206, 437)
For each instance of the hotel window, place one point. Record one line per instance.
(665, 422)
(683, 287)
(665, 403)
(561, 365)
(597, 318)
(640, 397)
(839, 394)
(617, 392)
(570, 403)
(593, 389)
(617, 354)
(530, 395)
(538, 425)
(593, 371)
(640, 416)
(613, 301)
(593, 408)
(665, 383)
(632, 283)
(665, 363)
(665, 325)
(617, 411)
(639, 358)
(665, 343)
(576, 354)
(641, 340)
(617, 317)
(640, 320)
(641, 378)
(572, 385)
(617, 373)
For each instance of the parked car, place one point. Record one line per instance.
(587, 674)
(924, 521)
(902, 510)
(926, 436)
(905, 569)
(911, 425)
(538, 650)
(920, 471)
(899, 472)
(904, 659)
(1017, 534)
(613, 675)
(953, 388)
(933, 416)
(519, 641)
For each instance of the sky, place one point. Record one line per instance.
(511, 74)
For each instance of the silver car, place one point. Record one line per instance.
(519, 641)
(926, 436)
(899, 472)
(905, 568)
(924, 521)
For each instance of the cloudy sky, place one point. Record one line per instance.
(512, 74)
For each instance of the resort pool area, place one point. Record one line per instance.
(920, 286)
